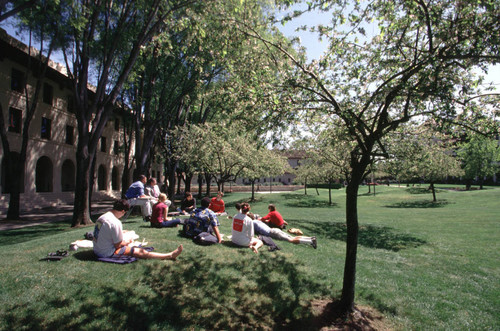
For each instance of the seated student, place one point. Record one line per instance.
(274, 218)
(108, 237)
(217, 204)
(203, 224)
(188, 204)
(152, 188)
(136, 196)
(160, 212)
(264, 230)
(243, 232)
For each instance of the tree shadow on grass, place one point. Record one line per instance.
(419, 190)
(306, 201)
(419, 204)
(370, 236)
(16, 236)
(253, 292)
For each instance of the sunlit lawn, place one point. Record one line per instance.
(424, 265)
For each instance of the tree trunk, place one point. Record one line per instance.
(208, 179)
(317, 192)
(330, 193)
(81, 212)
(200, 186)
(348, 288)
(433, 189)
(187, 182)
(125, 179)
(179, 181)
(253, 191)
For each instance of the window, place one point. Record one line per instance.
(70, 135)
(71, 104)
(43, 175)
(115, 179)
(68, 176)
(116, 148)
(102, 181)
(18, 81)
(103, 144)
(117, 124)
(48, 93)
(15, 118)
(46, 128)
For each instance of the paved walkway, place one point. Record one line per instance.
(47, 215)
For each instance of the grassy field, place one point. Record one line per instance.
(425, 266)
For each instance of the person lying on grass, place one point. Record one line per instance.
(275, 233)
(108, 237)
(243, 232)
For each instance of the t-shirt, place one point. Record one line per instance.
(217, 206)
(242, 232)
(108, 231)
(135, 190)
(188, 205)
(274, 218)
(200, 220)
(159, 213)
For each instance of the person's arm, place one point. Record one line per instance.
(266, 218)
(217, 234)
(165, 214)
(123, 243)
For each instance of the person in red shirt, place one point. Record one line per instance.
(217, 204)
(274, 218)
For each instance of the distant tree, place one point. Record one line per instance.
(264, 163)
(480, 158)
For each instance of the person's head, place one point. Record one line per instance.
(271, 207)
(220, 195)
(205, 202)
(162, 197)
(245, 208)
(152, 181)
(237, 205)
(188, 196)
(143, 179)
(121, 205)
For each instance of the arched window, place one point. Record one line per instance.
(101, 178)
(43, 174)
(6, 180)
(115, 179)
(68, 176)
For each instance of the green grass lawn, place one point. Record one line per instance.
(425, 266)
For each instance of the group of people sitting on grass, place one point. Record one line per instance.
(202, 224)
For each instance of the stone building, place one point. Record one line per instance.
(49, 177)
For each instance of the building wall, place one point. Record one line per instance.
(54, 153)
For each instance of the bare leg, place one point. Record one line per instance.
(255, 245)
(144, 254)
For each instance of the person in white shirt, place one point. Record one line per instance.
(108, 237)
(243, 232)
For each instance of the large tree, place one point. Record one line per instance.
(418, 61)
(101, 43)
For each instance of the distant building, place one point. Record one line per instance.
(49, 177)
